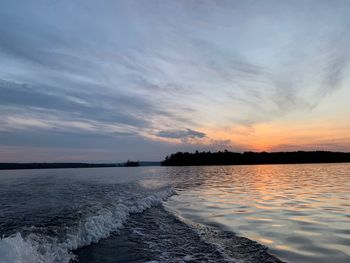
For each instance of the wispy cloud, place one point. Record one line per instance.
(165, 71)
(183, 135)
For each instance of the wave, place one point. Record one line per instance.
(36, 248)
(231, 247)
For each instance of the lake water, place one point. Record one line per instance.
(301, 213)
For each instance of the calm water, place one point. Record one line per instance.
(176, 214)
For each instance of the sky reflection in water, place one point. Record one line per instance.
(301, 212)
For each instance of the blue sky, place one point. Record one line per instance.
(117, 80)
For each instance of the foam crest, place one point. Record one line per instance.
(15, 247)
(43, 249)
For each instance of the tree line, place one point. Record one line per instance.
(232, 158)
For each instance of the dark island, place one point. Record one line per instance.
(130, 164)
(234, 158)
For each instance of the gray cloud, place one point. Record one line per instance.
(127, 69)
(98, 107)
(181, 134)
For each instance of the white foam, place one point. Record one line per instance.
(16, 249)
(39, 249)
(204, 232)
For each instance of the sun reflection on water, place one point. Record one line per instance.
(301, 212)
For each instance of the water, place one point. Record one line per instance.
(301, 212)
(177, 214)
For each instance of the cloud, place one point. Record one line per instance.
(142, 71)
(120, 109)
(181, 134)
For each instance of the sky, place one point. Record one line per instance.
(105, 81)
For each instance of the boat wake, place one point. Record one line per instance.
(159, 235)
(53, 244)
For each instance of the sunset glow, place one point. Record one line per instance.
(115, 80)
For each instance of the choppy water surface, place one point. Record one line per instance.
(176, 214)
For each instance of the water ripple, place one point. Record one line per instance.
(301, 212)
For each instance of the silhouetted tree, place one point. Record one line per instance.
(231, 158)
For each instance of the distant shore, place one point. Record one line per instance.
(15, 166)
(22, 166)
(205, 158)
(251, 158)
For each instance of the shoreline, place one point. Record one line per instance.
(38, 165)
(31, 166)
(254, 158)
